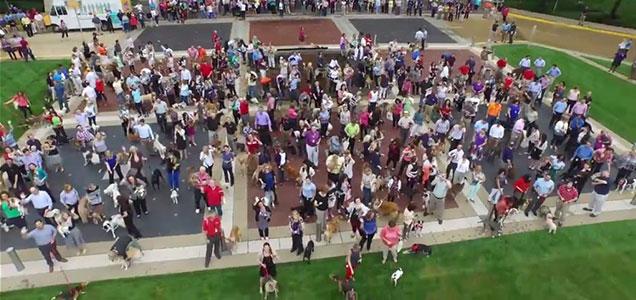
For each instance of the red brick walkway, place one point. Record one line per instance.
(285, 32)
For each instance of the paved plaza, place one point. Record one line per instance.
(172, 232)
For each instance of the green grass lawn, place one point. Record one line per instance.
(585, 262)
(613, 96)
(599, 10)
(28, 77)
(624, 68)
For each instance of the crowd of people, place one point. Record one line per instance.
(386, 128)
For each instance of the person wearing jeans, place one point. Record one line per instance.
(44, 236)
(228, 161)
(212, 229)
(390, 236)
(172, 167)
(262, 215)
(369, 228)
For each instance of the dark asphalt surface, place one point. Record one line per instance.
(164, 219)
(182, 36)
(402, 29)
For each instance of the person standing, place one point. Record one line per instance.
(567, 194)
(63, 29)
(126, 212)
(227, 157)
(69, 197)
(266, 260)
(312, 140)
(12, 211)
(476, 180)
(72, 235)
(420, 36)
(441, 185)
(368, 229)
(407, 216)
(211, 227)
(42, 202)
(44, 237)
(296, 227)
(321, 204)
(263, 215)
(136, 189)
(600, 182)
(390, 236)
(543, 186)
(214, 196)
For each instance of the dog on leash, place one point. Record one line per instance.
(333, 227)
(113, 192)
(308, 251)
(234, 238)
(111, 225)
(418, 228)
(156, 178)
(269, 285)
(90, 158)
(626, 184)
(395, 277)
(159, 148)
(345, 286)
(72, 293)
(549, 222)
(174, 196)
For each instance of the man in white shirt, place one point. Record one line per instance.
(496, 131)
(455, 156)
(525, 62)
(145, 135)
(91, 77)
(539, 64)
(89, 93)
(373, 98)
(42, 202)
(420, 36)
(185, 75)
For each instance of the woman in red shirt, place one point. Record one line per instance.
(21, 102)
(521, 186)
(99, 89)
(253, 144)
(446, 109)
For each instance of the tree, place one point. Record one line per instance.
(617, 4)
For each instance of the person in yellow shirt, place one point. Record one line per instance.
(494, 109)
(28, 26)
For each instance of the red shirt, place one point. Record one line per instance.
(252, 146)
(213, 195)
(99, 86)
(244, 107)
(568, 194)
(206, 70)
(508, 81)
(212, 226)
(521, 185)
(501, 63)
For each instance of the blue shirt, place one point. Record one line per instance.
(136, 95)
(584, 152)
(309, 190)
(543, 187)
(268, 179)
(370, 226)
(554, 72)
(559, 107)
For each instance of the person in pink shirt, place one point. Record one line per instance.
(390, 236)
(580, 108)
(363, 120)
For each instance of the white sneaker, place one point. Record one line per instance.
(209, 208)
(196, 211)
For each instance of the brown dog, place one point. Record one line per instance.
(83, 210)
(292, 173)
(72, 293)
(333, 227)
(386, 208)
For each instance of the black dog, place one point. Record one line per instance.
(308, 251)
(156, 178)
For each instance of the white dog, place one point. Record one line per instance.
(115, 222)
(396, 276)
(113, 191)
(158, 147)
(627, 184)
(174, 196)
(549, 221)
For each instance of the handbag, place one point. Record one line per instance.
(94, 159)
